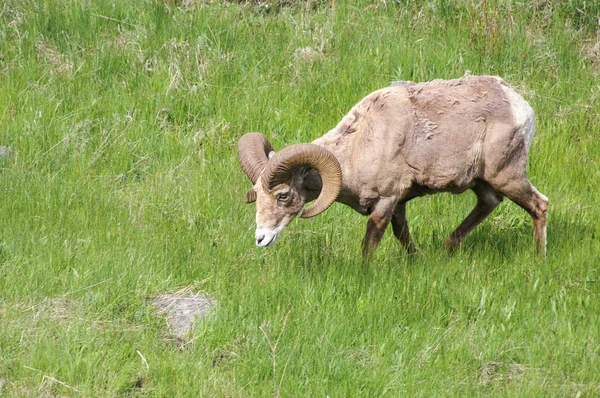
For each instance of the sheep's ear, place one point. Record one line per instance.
(251, 196)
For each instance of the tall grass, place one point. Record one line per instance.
(123, 118)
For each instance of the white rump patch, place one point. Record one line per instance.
(522, 112)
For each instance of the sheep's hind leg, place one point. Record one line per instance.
(523, 193)
(376, 226)
(487, 200)
(400, 227)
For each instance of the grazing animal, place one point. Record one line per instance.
(396, 144)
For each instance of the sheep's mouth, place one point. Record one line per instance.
(269, 243)
(267, 239)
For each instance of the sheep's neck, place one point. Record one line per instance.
(347, 195)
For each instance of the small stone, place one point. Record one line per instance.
(5, 152)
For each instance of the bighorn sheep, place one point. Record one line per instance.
(396, 144)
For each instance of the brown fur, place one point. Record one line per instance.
(409, 140)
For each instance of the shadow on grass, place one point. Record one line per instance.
(500, 238)
(562, 232)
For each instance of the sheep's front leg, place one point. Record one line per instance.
(376, 226)
(401, 231)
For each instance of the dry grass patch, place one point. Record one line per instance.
(308, 54)
(491, 372)
(592, 53)
(59, 64)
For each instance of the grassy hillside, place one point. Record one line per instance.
(122, 183)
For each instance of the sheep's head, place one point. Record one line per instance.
(285, 181)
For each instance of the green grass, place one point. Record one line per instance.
(124, 184)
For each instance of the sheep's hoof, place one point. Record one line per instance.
(412, 248)
(415, 253)
(452, 244)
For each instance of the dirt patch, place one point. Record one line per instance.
(182, 309)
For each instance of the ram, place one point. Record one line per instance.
(396, 144)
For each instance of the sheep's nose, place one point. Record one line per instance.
(260, 238)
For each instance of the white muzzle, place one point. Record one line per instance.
(266, 236)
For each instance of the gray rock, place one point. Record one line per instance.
(183, 310)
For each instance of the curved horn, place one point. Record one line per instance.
(253, 152)
(280, 169)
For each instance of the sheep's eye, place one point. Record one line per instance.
(283, 197)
